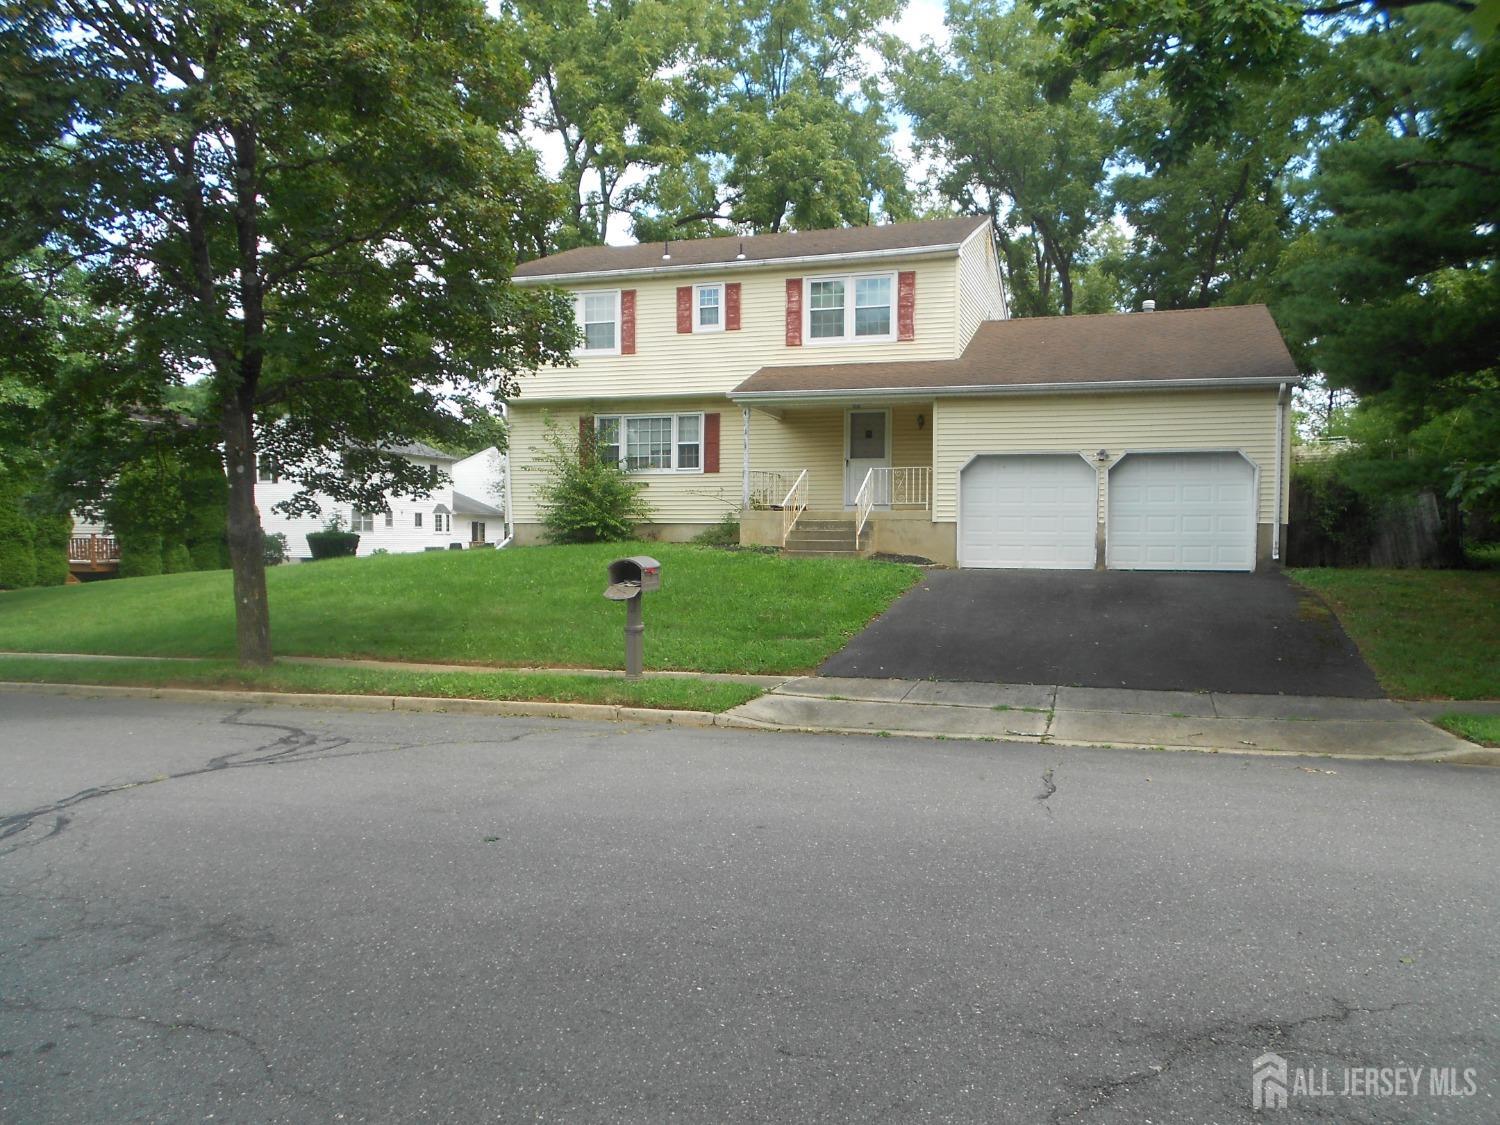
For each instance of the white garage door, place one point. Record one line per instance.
(1027, 511)
(1181, 511)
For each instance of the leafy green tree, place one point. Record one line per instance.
(781, 125)
(1396, 293)
(309, 206)
(17, 545)
(1209, 227)
(606, 78)
(1037, 167)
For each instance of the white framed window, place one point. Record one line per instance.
(598, 314)
(361, 521)
(852, 308)
(390, 519)
(652, 443)
(442, 522)
(708, 308)
(266, 470)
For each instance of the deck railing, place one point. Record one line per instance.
(793, 504)
(94, 549)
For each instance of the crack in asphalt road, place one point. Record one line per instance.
(1102, 1091)
(292, 746)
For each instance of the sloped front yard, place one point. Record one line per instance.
(1428, 634)
(717, 611)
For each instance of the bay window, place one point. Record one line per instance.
(661, 443)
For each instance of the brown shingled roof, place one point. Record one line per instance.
(1229, 343)
(689, 252)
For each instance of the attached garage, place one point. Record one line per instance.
(1027, 511)
(1181, 511)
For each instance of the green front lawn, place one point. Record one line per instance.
(1431, 634)
(717, 611)
(551, 687)
(1483, 729)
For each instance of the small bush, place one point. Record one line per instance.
(725, 533)
(332, 544)
(586, 498)
(274, 549)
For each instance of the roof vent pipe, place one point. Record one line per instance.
(1148, 305)
(740, 257)
(666, 251)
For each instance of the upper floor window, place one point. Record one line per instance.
(266, 470)
(856, 307)
(599, 317)
(708, 308)
(652, 442)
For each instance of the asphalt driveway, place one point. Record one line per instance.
(1247, 633)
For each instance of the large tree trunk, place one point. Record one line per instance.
(252, 610)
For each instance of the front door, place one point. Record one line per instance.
(867, 445)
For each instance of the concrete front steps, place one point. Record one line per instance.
(830, 536)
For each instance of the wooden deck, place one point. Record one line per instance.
(93, 554)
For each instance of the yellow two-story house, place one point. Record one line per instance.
(864, 389)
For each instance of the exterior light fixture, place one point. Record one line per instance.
(1102, 455)
(921, 420)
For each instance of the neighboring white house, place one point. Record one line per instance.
(465, 509)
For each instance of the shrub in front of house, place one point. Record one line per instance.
(586, 498)
(274, 548)
(332, 544)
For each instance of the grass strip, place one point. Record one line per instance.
(1427, 634)
(545, 687)
(1483, 729)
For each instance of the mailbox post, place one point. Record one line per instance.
(628, 580)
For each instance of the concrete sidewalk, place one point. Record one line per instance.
(1172, 720)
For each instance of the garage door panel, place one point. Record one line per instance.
(1027, 511)
(1182, 511)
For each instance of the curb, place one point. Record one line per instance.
(1471, 755)
(508, 708)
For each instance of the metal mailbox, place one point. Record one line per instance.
(638, 574)
(628, 580)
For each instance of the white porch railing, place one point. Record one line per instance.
(793, 505)
(864, 500)
(901, 486)
(768, 486)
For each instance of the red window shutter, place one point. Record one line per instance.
(732, 307)
(794, 312)
(585, 436)
(684, 308)
(627, 322)
(906, 305)
(710, 443)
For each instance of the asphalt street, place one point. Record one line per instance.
(304, 916)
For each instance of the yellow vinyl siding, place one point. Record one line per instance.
(911, 446)
(800, 439)
(1085, 423)
(978, 280)
(667, 363)
(674, 497)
